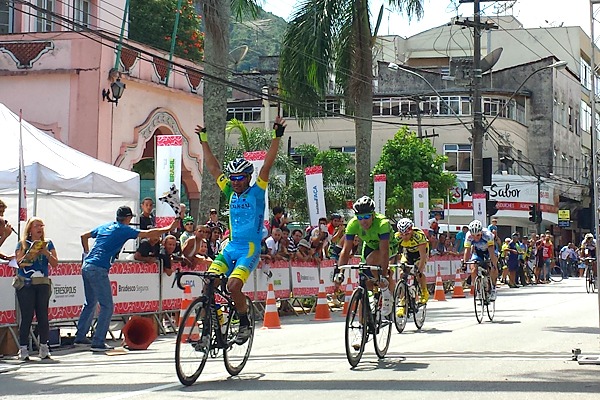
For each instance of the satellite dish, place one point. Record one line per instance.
(236, 55)
(490, 60)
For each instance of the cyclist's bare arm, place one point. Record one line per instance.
(345, 253)
(210, 160)
(493, 257)
(271, 153)
(384, 255)
(467, 254)
(423, 256)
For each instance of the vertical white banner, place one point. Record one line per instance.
(421, 204)
(315, 194)
(257, 158)
(167, 172)
(479, 207)
(379, 186)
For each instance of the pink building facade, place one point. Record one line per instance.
(56, 71)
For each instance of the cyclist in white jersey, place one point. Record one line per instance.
(479, 245)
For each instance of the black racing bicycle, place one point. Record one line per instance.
(590, 279)
(364, 317)
(209, 325)
(483, 290)
(406, 298)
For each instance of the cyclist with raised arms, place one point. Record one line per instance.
(376, 233)
(246, 215)
(415, 247)
(479, 246)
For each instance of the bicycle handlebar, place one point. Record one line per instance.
(360, 267)
(202, 274)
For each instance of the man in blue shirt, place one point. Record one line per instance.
(246, 219)
(110, 239)
(460, 239)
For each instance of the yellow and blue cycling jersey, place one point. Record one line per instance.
(246, 215)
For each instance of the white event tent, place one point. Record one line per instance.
(71, 191)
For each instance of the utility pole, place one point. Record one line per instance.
(478, 130)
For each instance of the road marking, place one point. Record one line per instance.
(161, 387)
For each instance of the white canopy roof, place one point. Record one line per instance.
(51, 165)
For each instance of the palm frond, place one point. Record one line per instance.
(234, 124)
(241, 8)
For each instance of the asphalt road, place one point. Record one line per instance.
(524, 353)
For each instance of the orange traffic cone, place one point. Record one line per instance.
(186, 300)
(271, 319)
(191, 330)
(458, 292)
(322, 310)
(472, 290)
(439, 294)
(347, 298)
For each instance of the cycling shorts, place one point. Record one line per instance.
(237, 260)
(476, 256)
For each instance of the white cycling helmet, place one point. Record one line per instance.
(475, 227)
(240, 166)
(404, 225)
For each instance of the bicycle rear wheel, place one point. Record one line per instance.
(383, 332)
(400, 306)
(588, 279)
(478, 299)
(420, 310)
(556, 274)
(491, 305)
(356, 332)
(194, 339)
(236, 354)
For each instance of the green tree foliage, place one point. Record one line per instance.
(338, 179)
(406, 159)
(151, 23)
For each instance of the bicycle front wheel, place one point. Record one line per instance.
(420, 310)
(479, 299)
(193, 341)
(400, 306)
(589, 280)
(382, 332)
(236, 353)
(556, 274)
(356, 330)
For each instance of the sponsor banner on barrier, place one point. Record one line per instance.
(171, 296)
(67, 295)
(305, 278)
(258, 283)
(135, 289)
(327, 275)
(447, 266)
(8, 315)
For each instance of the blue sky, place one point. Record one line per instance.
(531, 13)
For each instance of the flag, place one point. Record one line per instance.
(22, 177)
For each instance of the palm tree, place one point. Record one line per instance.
(334, 37)
(217, 14)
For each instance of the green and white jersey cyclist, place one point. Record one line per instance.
(376, 233)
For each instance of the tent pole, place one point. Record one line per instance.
(35, 200)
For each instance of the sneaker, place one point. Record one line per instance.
(386, 302)
(82, 342)
(101, 347)
(493, 295)
(243, 335)
(23, 353)
(44, 352)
